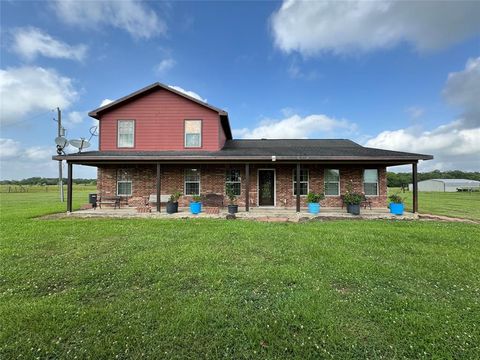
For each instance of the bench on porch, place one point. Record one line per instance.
(111, 200)
(212, 203)
(152, 199)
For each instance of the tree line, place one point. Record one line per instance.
(47, 181)
(399, 179)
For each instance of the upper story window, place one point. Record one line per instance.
(233, 180)
(370, 181)
(303, 181)
(193, 133)
(126, 133)
(332, 182)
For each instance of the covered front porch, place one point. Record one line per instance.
(156, 181)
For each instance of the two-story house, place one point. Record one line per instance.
(157, 140)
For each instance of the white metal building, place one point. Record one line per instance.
(446, 185)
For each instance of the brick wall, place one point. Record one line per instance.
(212, 180)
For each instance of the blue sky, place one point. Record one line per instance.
(398, 75)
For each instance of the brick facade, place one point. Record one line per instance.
(212, 180)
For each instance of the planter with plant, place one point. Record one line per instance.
(196, 205)
(313, 201)
(172, 204)
(232, 206)
(353, 201)
(396, 204)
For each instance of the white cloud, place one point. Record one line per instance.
(163, 66)
(341, 27)
(9, 148)
(455, 145)
(453, 149)
(133, 16)
(297, 127)
(415, 112)
(188, 92)
(19, 161)
(24, 90)
(32, 42)
(463, 91)
(73, 118)
(105, 102)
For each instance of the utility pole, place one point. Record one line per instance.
(60, 162)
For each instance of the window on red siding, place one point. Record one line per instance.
(126, 133)
(193, 133)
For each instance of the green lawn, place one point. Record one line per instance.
(457, 204)
(99, 288)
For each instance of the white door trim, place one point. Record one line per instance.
(274, 187)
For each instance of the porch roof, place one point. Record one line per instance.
(282, 150)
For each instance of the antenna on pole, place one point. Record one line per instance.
(58, 140)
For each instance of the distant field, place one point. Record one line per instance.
(457, 204)
(208, 289)
(40, 188)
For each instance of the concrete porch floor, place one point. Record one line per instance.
(259, 214)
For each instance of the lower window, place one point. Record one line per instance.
(192, 182)
(332, 182)
(303, 181)
(370, 182)
(124, 188)
(232, 180)
(124, 183)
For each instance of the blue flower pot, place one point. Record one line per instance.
(313, 208)
(195, 207)
(396, 209)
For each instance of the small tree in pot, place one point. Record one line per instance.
(353, 201)
(196, 204)
(172, 204)
(396, 204)
(232, 207)
(313, 201)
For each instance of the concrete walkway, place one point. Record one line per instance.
(257, 214)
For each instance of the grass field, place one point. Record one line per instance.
(99, 288)
(456, 204)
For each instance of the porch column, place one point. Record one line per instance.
(415, 187)
(247, 187)
(69, 186)
(159, 198)
(297, 187)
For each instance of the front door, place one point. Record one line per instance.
(266, 187)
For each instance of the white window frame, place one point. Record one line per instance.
(185, 133)
(325, 182)
(185, 182)
(118, 133)
(370, 183)
(125, 182)
(301, 182)
(227, 182)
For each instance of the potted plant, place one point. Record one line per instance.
(232, 207)
(196, 205)
(396, 204)
(313, 201)
(353, 201)
(172, 204)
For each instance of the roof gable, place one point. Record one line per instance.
(156, 86)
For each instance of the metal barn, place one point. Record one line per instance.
(447, 185)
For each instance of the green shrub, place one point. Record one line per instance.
(315, 198)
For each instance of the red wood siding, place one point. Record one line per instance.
(222, 135)
(159, 123)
